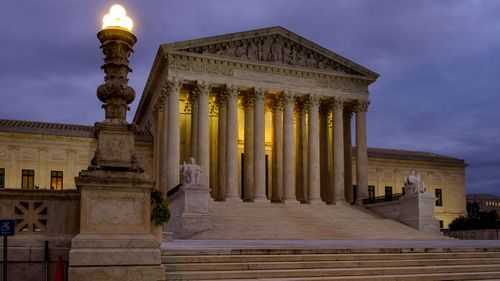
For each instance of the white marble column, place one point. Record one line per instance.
(203, 152)
(259, 167)
(248, 174)
(165, 135)
(173, 139)
(221, 146)
(288, 149)
(193, 100)
(324, 142)
(277, 153)
(361, 152)
(313, 167)
(232, 144)
(338, 154)
(301, 153)
(157, 149)
(348, 154)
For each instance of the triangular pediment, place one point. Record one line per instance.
(276, 46)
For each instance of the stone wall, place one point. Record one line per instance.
(40, 215)
(479, 234)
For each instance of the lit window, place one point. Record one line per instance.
(28, 179)
(56, 180)
(439, 197)
(2, 177)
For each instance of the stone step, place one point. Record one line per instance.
(225, 266)
(170, 259)
(263, 220)
(329, 272)
(485, 276)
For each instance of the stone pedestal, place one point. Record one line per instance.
(115, 241)
(189, 207)
(417, 210)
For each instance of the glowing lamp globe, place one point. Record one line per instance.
(117, 18)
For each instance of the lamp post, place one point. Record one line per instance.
(117, 41)
(114, 242)
(115, 137)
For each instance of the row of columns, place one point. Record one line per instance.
(284, 153)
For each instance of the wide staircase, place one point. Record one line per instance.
(322, 263)
(264, 220)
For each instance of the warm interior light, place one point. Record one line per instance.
(117, 17)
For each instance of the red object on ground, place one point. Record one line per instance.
(60, 269)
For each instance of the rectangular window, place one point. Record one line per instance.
(388, 193)
(28, 179)
(56, 180)
(371, 193)
(441, 224)
(439, 197)
(2, 177)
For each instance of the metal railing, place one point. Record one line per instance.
(380, 199)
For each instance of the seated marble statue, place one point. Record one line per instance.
(191, 172)
(413, 183)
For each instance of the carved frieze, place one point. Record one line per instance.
(289, 77)
(275, 49)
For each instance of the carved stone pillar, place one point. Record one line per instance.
(338, 154)
(301, 152)
(203, 132)
(232, 144)
(248, 174)
(259, 166)
(288, 149)
(158, 114)
(324, 141)
(173, 87)
(361, 152)
(348, 154)
(313, 167)
(277, 161)
(165, 135)
(193, 100)
(221, 147)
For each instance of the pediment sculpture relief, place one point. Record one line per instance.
(273, 49)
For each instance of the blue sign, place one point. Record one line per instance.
(7, 228)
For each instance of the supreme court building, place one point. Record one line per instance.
(267, 115)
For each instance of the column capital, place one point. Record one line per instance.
(276, 104)
(203, 87)
(220, 99)
(259, 94)
(313, 100)
(361, 106)
(233, 90)
(338, 103)
(288, 97)
(172, 84)
(247, 100)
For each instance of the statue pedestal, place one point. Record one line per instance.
(115, 241)
(189, 207)
(417, 211)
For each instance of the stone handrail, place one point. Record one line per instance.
(41, 212)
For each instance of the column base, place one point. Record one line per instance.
(264, 199)
(316, 202)
(342, 203)
(291, 201)
(233, 199)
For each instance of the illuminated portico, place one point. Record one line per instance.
(234, 100)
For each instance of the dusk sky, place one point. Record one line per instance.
(439, 62)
